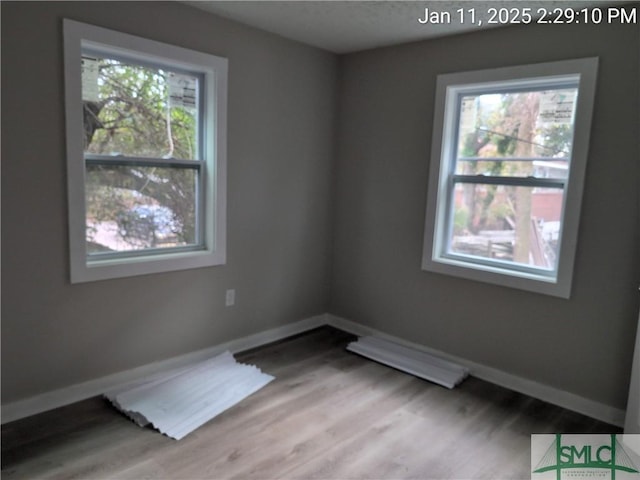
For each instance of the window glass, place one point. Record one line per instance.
(516, 134)
(507, 223)
(136, 208)
(509, 135)
(139, 111)
(521, 124)
(526, 134)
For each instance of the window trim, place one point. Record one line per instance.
(444, 125)
(79, 36)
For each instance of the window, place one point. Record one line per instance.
(507, 166)
(146, 155)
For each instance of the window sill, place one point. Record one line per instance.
(104, 269)
(538, 283)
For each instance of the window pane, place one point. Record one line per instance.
(135, 208)
(515, 224)
(518, 124)
(138, 111)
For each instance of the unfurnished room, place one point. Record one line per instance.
(320, 239)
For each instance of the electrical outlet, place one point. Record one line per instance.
(230, 298)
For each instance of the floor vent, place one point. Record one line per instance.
(414, 362)
(179, 401)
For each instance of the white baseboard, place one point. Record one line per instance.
(570, 401)
(74, 393)
(81, 391)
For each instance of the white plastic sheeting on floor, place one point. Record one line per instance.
(415, 362)
(179, 401)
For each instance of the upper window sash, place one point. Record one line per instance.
(165, 68)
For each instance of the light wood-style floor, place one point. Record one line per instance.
(328, 415)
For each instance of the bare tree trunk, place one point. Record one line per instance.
(527, 111)
(91, 110)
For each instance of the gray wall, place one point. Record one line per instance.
(281, 123)
(582, 345)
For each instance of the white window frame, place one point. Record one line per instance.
(446, 115)
(211, 248)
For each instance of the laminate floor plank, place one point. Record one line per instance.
(267, 439)
(330, 423)
(330, 414)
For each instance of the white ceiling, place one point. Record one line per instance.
(349, 26)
